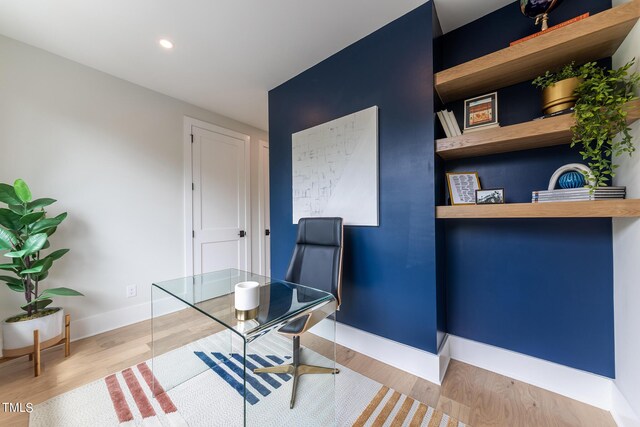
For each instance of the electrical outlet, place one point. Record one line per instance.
(132, 291)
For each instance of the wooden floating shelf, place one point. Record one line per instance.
(626, 208)
(523, 136)
(596, 37)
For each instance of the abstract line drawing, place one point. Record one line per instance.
(335, 169)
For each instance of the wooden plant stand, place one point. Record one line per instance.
(34, 353)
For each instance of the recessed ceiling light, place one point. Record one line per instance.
(167, 44)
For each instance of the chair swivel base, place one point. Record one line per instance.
(296, 369)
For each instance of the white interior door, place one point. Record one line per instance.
(220, 201)
(264, 221)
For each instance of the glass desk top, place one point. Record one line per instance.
(204, 351)
(212, 294)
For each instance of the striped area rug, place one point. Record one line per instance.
(201, 385)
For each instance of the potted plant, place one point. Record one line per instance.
(558, 89)
(24, 235)
(601, 116)
(600, 113)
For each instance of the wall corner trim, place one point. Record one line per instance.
(580, 385)
(420, 363)
(621, 411)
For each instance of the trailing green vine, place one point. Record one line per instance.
(600, 116)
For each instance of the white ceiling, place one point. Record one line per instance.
(228, 53)
(456, 13)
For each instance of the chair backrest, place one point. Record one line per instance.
(317, 258)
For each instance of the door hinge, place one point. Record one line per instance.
(267, 232)
(193, 186)
(193, 233)
(192, 138)
(242, 233)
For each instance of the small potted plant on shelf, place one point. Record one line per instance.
(558, 88)
(24, 235)
(601, 115)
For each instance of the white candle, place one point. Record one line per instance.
(247, 295)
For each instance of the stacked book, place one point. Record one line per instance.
(449, 123)
(578, 194)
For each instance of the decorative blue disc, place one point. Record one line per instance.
(571, 180)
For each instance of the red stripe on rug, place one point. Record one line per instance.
(138, 394)
(117, 398)
(161, 396)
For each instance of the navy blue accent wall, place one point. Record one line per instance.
(389, 285)
(542, 287)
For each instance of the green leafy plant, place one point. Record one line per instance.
(601, 116)
(551, 78)
(24, 233)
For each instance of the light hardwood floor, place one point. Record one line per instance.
(473, 395)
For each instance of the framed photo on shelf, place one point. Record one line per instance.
(491, 196)
(481, 112)
(462, 187)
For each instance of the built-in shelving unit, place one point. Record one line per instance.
(594, 209)
(523, 136)
(596, 37)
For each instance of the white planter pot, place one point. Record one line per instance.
(17, 337)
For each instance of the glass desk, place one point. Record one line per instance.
(204, 355)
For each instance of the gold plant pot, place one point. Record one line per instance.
(560, 96)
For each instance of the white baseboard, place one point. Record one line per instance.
(583, 386)
(103, 322)
(621, 411)
(420, 363)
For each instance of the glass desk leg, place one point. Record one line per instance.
(197, 361)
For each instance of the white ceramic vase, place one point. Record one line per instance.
(19, 335)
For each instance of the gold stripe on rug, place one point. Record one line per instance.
(419, 416)
(401, 408)
(384, 414)
(371, 407)
(435, 419)
(403, 412)
(395, 412)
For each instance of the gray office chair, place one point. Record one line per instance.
(316, 263)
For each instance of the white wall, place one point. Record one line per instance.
(110, 152)
(626, 251)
